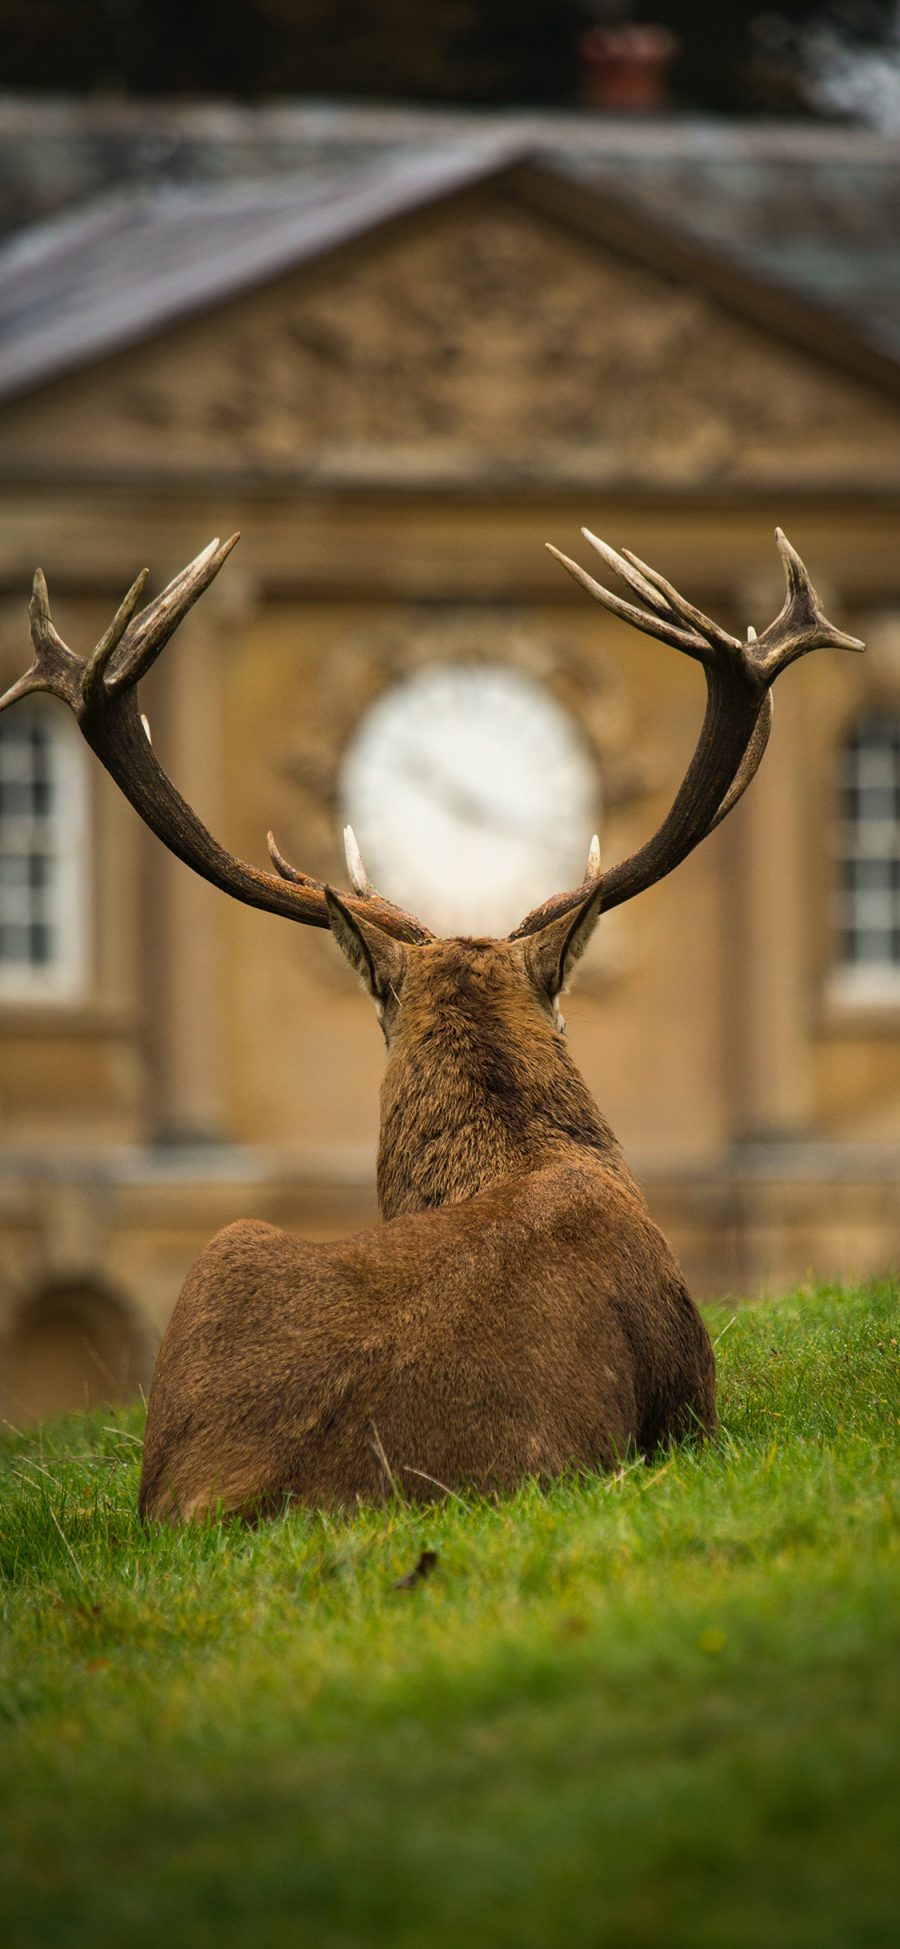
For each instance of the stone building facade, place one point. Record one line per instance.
(398, 380)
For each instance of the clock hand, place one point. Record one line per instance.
(464, 804)
(448, 791)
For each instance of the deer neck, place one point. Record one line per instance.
(467, 1103)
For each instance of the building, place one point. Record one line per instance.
(399, 362)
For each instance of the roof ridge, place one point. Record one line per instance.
(86, 219)
(113, 116)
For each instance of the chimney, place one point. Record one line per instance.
(625, 70)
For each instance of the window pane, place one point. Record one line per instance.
(40, 939)
(14, 868)
(873, 946)
(42, 796)
(13, 943)
(871, 874)
(16, 797)
(869, 839)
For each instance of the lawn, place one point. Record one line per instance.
(652, 1709)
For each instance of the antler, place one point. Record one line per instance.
(738, 716)
(101, 690)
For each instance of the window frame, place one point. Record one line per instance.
(860, 983)
(62, 981)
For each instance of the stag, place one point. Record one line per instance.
(516, 1313)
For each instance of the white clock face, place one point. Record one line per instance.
(472, 795)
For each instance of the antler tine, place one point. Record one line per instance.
(54, 667)
(289, 872)
(97, 662)
(33, 679)
(651, 624)
(151, 630)
(359, 878)
(801, 624)
(23, 687)
(630, 574)
(42, 630)
(712, 632)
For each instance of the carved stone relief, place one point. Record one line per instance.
(498, 338)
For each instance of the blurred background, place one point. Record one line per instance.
(402, 293)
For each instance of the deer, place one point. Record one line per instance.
(515, 1313)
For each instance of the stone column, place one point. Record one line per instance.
(183, 935)
(767, 1027)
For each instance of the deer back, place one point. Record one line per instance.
(518, 1313)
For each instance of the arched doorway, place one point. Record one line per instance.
(70, 1346)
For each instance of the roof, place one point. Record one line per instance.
(132, 263)
(797, 225)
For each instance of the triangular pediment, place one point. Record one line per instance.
(486, 339)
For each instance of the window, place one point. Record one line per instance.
(42, 904)
(870, 855)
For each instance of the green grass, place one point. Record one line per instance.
(658, 1709)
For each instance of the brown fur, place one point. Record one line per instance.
(517, 1314)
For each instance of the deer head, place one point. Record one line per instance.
(478, 1082)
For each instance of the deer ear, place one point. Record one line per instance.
(551, 953)
(376, 956)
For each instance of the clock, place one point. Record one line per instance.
(473, 795)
